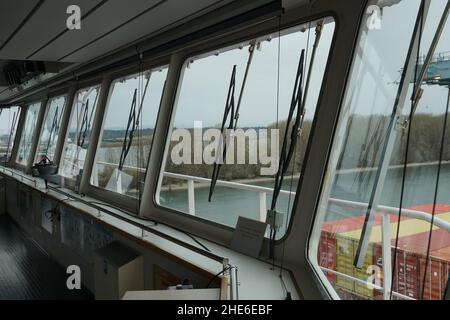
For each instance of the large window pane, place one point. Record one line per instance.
(414, 263)
(28, 133)
(78, 137)
(50, 129)
(245, 182)
(127, 132)
(9, 118)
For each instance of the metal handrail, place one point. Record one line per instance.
(360, 281)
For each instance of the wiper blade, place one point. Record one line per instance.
(13, 127)
(86, 122)
(286, 151)
(234, 118)
(229, 108)
(52, 129)
(132, 125)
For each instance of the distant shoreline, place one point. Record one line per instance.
(183, 186)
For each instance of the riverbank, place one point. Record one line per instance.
(255, 181)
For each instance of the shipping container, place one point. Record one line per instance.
(327, 254)
(343, 236)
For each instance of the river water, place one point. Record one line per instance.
(228, 204)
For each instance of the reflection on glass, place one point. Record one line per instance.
(410, 256)
(251, 160)
(28, 132)
(9, 118)
(78, 136)
(50, 129)
(127, 132)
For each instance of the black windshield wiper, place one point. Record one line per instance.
(52, 129)
(86, 122)
(287, 151)
(132, 125)
(13, 128)
(229, 110)
(233, 111)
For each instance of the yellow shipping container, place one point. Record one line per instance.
(345, 254)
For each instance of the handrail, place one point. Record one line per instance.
(415, 214)
(360, 281)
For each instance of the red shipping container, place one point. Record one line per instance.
(327, 254)
(436, 275)
(406, 278)
(418, 243)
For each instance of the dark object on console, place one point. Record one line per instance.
(45, 169)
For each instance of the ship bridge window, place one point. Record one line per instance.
(127, 133)
(230, 120)
(9, 118)
(382, 224)
(50, 129)
(79, 132)
(28, 133)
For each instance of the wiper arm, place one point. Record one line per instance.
(132, 125)
(234, 117)
(229, 108)
(13, 127)
(52, 129)
(83, 127)
(287, 151)
(86, 122)
(318, 34)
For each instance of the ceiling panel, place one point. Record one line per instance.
(111, 15)
(164, 15)
(47, 22)
(12, 13)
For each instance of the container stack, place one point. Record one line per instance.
(339, 242)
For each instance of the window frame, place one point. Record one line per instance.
(409, 62)
(218, 232)
(17, 129)
(69, 182)
(34, 141)
(62, 130)
(115, 199)
(199, 54)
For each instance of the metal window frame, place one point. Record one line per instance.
(126, 202)
(27, 168)
(317, 223)
(339, 61)
(67, 94)
(73, 91)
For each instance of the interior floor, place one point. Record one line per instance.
(28, 272)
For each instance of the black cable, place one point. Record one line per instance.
(436, 188)
(155, 222)
(405, 161)
(218, 274)
(287, 151)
